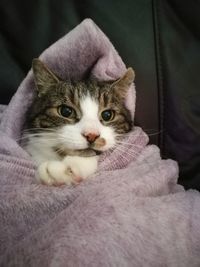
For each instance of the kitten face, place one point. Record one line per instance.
(82, 115)
(91, 131)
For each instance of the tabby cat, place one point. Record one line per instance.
(71, 122)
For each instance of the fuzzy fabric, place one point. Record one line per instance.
(130, 213)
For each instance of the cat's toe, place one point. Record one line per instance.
(76, 179)
(43, 175)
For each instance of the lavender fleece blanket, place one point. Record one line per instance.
(130, 213)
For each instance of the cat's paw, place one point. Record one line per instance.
(81, 167)
(56, 173)
(72, 170)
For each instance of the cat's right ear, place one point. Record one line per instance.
(44, 77)
(120, 87)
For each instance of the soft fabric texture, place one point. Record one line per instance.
(130, 213)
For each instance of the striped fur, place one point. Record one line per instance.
(71, 122)
(44, 113)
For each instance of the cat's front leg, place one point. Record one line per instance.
(72, 170)
(55, 173)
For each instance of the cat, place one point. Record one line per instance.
(70, 123)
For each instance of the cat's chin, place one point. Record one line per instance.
(88, 152)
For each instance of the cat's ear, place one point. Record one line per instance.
(44, 77)
(120, 87)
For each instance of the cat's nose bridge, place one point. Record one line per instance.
(91, 129)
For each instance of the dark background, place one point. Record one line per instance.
(159, 39)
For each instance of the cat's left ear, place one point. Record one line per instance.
(44, 77)
(122, 85)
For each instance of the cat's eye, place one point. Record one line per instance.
(66, 111)
(108, 115)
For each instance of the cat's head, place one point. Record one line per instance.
(86, 115)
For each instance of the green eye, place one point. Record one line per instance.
(107, 115)
(65, 111)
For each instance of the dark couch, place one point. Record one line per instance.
(159, 39)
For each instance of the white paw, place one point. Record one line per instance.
(81, 167)
(72, 170)
(55, 173)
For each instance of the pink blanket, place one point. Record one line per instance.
(130, 213)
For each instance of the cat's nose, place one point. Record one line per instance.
(91, 137)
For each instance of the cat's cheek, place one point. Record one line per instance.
(72, 138)
(110, 138)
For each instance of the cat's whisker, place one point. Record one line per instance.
(49, 138)
(154, 131)
(127, 152)
(132, 155)
(128, 144)
(128, 147)
(122, 137)
(124, 156)
(131, 148)
(29, 130)
(44, 133)
(33, 136)
(67, 139)
(135, 135)
(116, 161)
(38, 135)
(45, 141)
(124, 146)
(28, 137)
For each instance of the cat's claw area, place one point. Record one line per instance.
(70, 171)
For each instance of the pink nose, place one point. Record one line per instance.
(91, 137)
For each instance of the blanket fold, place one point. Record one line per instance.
(131, 212)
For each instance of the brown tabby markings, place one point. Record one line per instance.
(53, 92)
(43, 113)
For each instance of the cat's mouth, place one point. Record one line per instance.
(97, 152)
(93, 149)
(88, 152)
